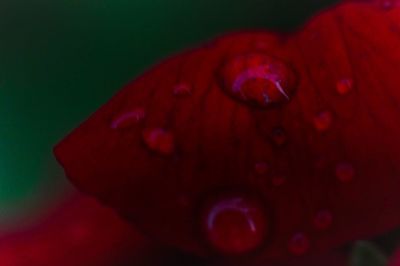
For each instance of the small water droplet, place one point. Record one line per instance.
(182, 89)
(323, 121)
(299, 244)
(345, 171)
(323, 219)
(278, 180)
(261, 168)
(258, 80)
(388, 4)
(159, 140)
(128, 119)
(234, 224)
(344, 86)
(279, 136)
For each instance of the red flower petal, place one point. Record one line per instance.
(332, 89)
(80, 232)
(395, 260)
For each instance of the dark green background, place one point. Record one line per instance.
(61, 59)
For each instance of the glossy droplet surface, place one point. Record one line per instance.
(323, 121)
(279, 136)
(323, 219)
(345, 171)
(182, 89)
(234, 224)
(344, 86)
(258, 80)
(299, 244)
(159, 140)
(128, 119)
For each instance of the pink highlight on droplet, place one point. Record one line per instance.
(258, 80)
(234, 224)
(128, 119)
(182, 89)
(159, 140)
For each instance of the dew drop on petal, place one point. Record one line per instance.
(345, 172)
(344, 86)
(388, 4)
(261, 168)
(258, 80)
(159, 140)
(279, 136)
(323, 121)
(128, 119)
(299, 244)
(182, 89)
(234, 224)
(323, 219)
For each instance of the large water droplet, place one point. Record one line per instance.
(345, 171)
(258, 80)
(299, 244)
(128, 119)
(234, 224)
(182, 89)
(159, 140)
(344, 86)
(323, 219)
(323, 121)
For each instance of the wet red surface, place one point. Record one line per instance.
(340, 124)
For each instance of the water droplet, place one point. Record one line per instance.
(344, 86)
(261, 168)
(128, 119)
(278, 180)
(323, 219)
(299, 244)
(258, 80)
(345, 171)
(159, 140)
(234, 224)
(388, 4)
(182, 89)
(323, 121)
(279, 136)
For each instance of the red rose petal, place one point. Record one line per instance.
(221, 130)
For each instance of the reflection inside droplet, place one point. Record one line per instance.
(128, 119)
(258, 80)
(234, 224)
(159, 140)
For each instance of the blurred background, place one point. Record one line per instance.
(60, 60)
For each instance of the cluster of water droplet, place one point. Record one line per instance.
(236, 224)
